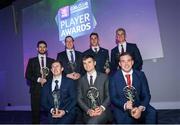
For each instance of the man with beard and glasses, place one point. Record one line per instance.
(35, 76)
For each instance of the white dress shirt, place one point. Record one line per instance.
(94, 75)
(130, 73)
(44, 58)
(59, 78)
(124, 47)
(69, 54)
(93, 48)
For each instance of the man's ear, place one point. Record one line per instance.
(94, 63)
(62, 69)
(119, 63)
(51, 70)
(132, 62)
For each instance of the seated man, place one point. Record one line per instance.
(130, 95)
(59, 97)
(93, 93)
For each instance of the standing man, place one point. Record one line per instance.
(93, 93)
(101, 55)
(71, 59)
(72, 62)
(59, 97)
(37, 74)
(124, 46)
(130, 95)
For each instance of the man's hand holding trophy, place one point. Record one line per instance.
(55, 111)
(73, 75)
(107, 66)
(95, 108)
(44, 74)
(130, 94)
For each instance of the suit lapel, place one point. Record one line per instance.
(117, 53)
(127, 47)
(62, 83)
(37, 65)
(48, 62)
(91, 51)
(65, 56)
(135, 80)
(97, 80)
(86, 85)
(122, 79)
(76, 57)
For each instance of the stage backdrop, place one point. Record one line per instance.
(52, 20)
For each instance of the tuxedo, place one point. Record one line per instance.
(32, 74)
(102, 84)
(130, 48)
(142, 98)
(67, 100)
(101, 57)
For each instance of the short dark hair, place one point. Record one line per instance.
(41, 42)
(121, 29)
(88, 56)
(93, 33)
(68, 37)
(124, 54)
(57, 61)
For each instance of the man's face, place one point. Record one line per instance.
(94, 41)
(120, 36)
(69, 43)
(42, 49)
(89, 64)
(126, 63)
(56, 69)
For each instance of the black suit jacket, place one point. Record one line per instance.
(33, 73)
(62, 56)
(101, 57)
(133, 50)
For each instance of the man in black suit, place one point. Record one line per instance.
(71, 59)
(124, 46)
(59, 97)
(101, 55)
(72, 63)
(37, 75)
(93, 93)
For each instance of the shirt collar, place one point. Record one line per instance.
(93, 48)
(68, 50)
(125, 73)
(94, 73)
(42, 55)
(124, 44)
(57, 78)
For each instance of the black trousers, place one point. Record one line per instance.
(35, 107)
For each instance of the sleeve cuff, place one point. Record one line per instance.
(103, 107)
(143, 108)
(66, 111)
(38, 80)
(51, 110)
(124, 107)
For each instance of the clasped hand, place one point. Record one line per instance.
(57, 113)
(95, 112)
(134, 111)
